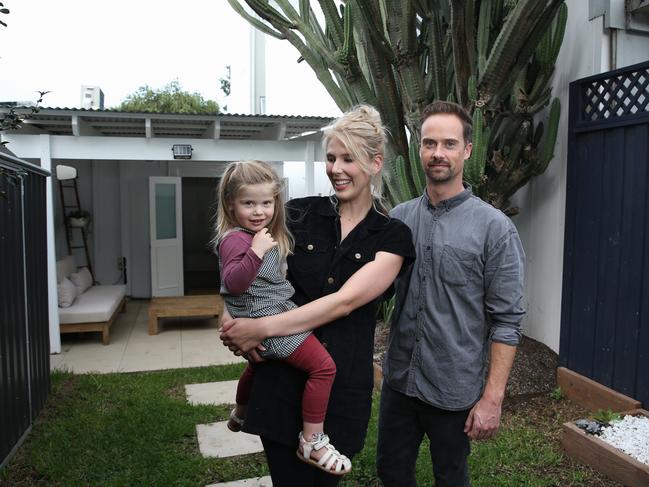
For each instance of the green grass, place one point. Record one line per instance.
(137, 429)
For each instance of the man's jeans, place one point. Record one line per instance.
(403, 421)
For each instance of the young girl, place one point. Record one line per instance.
(253, 241)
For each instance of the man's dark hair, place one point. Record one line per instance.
(451, 108)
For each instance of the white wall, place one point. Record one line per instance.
(107, 231)
(541, 222)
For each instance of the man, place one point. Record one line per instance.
(461, 301)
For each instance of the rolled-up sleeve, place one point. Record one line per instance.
(504, 283)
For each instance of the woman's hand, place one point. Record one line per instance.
(243, 335)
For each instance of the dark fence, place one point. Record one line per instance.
(24, 323)
(605, 306)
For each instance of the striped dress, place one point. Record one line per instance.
(269, 294)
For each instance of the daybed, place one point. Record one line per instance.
(92, 309)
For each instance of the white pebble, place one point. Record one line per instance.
(631, 435)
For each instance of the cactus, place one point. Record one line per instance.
(495, 57)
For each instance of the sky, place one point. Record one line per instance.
(120, 45)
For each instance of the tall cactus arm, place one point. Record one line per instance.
(415, 166)
(469, 31)
(460, 54)
(256, 23)
(333, 21)
(436, 59)
(550, 138)
(312, 40)
(371, 15)
(484, 29)
(514, 44)
(268, 13)
(475, 165)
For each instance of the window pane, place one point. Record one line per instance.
(165, 211)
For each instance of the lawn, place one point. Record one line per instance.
(137, 429)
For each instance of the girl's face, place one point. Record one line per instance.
(350, 182)
(254, 206)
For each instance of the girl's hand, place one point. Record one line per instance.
(262, 242)
(242, 335)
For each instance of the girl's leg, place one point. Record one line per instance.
(314, 359)
(242, 398)
(286, 470)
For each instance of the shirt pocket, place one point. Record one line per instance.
(458, 267)
(309, 255)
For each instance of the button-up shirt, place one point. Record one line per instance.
(464, 289)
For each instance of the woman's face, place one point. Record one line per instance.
(349, 181)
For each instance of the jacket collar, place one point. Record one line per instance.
(374, 219)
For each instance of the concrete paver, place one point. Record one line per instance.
(256, 482)
(215, 440)
(212, 393)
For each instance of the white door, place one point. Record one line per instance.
(165, 217)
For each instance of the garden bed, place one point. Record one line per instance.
(612, 462)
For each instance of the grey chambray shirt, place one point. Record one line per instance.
(464, 289)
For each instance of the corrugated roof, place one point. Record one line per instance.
(115, 123)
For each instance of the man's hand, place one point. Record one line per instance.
(262, 242)
(483, 420)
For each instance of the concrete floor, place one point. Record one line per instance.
(181, 342)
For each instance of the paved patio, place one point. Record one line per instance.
(180, 343)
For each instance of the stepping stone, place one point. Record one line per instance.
(213, 393)
(257, 482)
(215, 440)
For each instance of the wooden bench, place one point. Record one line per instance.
(101, 326)
(183, 306)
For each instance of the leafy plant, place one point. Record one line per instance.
(557, 394)
(494, 57)
(605, 416)
(169, 99)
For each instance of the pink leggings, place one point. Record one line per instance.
(312, 358)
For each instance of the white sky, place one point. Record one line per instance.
(121, 45)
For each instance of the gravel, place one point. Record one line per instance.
(631, 435)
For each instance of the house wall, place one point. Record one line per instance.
(107, 230)
(585, 51)
(134, 212)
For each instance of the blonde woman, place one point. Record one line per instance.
(347, 253)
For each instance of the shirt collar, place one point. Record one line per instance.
(450, 203)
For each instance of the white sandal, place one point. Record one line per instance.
(234, 422)
(332, 461)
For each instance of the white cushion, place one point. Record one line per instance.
(67, 292)
(82, 280)
(65, 267)
(97, 304)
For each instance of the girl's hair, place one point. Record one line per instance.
(246, 173)
(360, 130)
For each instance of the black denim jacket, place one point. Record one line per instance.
(320, 265)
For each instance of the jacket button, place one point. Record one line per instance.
(330, 280)
(357, 255)
(309, 247)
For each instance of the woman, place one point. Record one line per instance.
(347, 253)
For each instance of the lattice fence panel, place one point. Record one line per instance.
(619, 96)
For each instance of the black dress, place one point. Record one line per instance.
(319, 266)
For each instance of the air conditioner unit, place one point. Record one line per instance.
(92, 98)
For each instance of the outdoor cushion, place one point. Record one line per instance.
(67, 292)
(64, 268)
(82, 280)
(95, 305)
